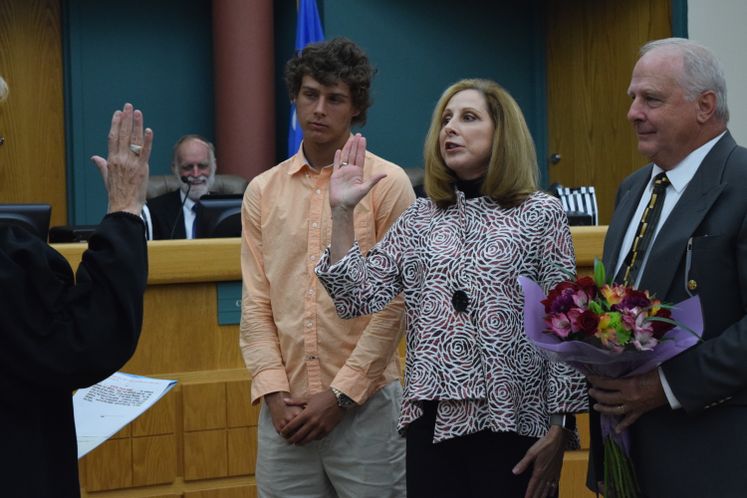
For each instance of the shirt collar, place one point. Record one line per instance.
(188, 203)
(682, 173)
(298, 161)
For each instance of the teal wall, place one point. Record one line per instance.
(158, 55)
(419, 48)
(155, 54)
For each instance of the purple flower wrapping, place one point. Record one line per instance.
(589, 358)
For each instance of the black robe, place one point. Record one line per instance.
(165, 212)
(58, 334)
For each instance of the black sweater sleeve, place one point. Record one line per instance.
(57, 332)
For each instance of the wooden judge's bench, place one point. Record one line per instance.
(200, 440)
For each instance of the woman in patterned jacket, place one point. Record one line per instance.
(478, 399)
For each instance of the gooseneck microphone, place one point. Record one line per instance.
(180, 214)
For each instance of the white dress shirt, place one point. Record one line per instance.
(679, 178)
(189, 215)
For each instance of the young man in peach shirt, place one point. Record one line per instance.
(330, 387)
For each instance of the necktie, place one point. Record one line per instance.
(194, 222)
(645, 232)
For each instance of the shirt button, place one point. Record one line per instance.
(692, 284)
(318, 191)
(314, 225)
(309, 324)
(311, 291)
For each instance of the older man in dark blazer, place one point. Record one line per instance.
(688, 418)
(172, 214)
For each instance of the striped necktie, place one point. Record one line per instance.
(632, 265)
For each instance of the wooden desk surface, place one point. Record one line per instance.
(215, 260)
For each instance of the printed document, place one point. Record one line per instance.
(105, 408)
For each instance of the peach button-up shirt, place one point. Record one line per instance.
(291, 337)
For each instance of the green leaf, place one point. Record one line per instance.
(675, 323)
(595, 307)
(600, 277)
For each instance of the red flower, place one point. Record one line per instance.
(588, 286)
(635, 299)
(559, 300)
(661, 328)
(588, 322)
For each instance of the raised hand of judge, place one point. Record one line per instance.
(125, 170)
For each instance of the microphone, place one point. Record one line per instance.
(180, 214)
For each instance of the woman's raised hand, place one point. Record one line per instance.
(348, 184)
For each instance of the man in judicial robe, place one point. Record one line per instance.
(59, 333)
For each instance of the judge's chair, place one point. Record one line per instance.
(579, 203)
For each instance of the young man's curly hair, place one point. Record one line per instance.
(328, 62)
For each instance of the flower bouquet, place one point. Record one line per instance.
(611, 330)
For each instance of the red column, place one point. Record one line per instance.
(243, 55)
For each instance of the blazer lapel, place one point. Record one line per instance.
(622, 217)
(671, 241)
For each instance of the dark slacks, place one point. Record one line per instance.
(473, 466)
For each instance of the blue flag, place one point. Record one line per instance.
(308, 30)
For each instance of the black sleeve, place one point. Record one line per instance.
(57, 332)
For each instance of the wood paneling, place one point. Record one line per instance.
(32, 158)
(592, 46)
(154, 460)
(242, 451)
(112, 466)
(235, 492)
(204, 406)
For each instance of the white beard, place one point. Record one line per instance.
(200, 186)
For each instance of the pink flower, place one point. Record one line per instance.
(580, 298)
(644, 340)
(560, 325)
(573, 315)
(634, 319)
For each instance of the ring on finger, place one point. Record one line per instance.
(136, 149)
(344, 163)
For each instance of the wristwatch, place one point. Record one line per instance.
(343, 400)
(565, 421)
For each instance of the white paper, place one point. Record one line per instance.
(105, 408)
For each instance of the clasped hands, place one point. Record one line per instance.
(628, 398)
(303, 420)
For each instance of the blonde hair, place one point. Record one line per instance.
(512, 174)
(4, 90)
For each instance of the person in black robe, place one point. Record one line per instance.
(59, 333)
